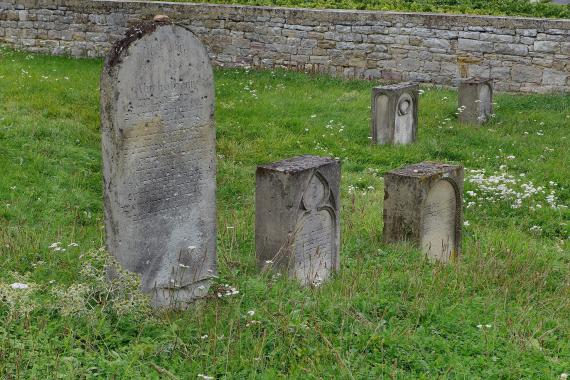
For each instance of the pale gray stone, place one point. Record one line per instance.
(158, 138)
(395, 113)
(554, 77)
(297, 214)
(475, 100)
(475, 45)
(511, 49)
(526, 73)
(423, 205)
(546, 46)
(437, 43)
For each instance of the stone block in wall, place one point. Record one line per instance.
(409, 64)
(505, 38)
(527, 32)
(542, 62)
(511, 49)
(554, 77)
(554, 37)
(28, 34)
(469, 35)
(500, 73)
(546, 46)
(12, 15)
(475, 45)
(526, 74)
(438, 43)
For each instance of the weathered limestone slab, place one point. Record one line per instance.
(158, 138)
(475, 100)
(395, 113)
(297, 206)
(423, 204)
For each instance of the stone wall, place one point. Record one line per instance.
(521, 54)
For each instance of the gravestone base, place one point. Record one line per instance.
(395, 114)
(297, 218)
(423, 205)
(179, 297)
(475, 100)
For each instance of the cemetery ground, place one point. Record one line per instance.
(501, 311)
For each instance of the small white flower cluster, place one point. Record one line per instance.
(56, 247)
(227, 291)
(487, 326)
(331, 127)
(506, 187)
(19, 285)
(361, 185)
(249, 88)
(353, 190)
(536, 230)
(205, 377)
(373, 172)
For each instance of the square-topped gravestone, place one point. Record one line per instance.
(297, 217)
(475, 100)
(158, 138)
(395, 113)
(423, 205)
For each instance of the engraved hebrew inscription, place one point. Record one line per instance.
(438, 222)
(159, 163)
(314, 237)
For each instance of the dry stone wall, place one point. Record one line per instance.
(520, 54)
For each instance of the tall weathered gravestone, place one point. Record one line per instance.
(158, 138)
(475, 100)
(297, 217)
(395, 114)
(423, 205)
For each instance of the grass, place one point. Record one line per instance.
(479, 7)
(387, 314)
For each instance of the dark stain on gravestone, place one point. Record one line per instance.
(132, 34)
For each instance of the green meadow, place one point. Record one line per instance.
(502, 311)
(525, 8)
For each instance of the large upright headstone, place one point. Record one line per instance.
(423, 205)
(475, 100)
(297, 205)
(395, 114)
(158, 138)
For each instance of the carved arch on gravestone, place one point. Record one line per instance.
(404, 119)
(485, 98)
(455, 249)
(380, 102)
(314, 236)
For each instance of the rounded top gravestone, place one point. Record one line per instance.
(158, 140)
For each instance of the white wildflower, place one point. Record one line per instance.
(19, 285)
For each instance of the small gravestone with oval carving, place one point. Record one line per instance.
(423, 205)
(395, 114)
(297, 217)
(158, 138)
(475, 100)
